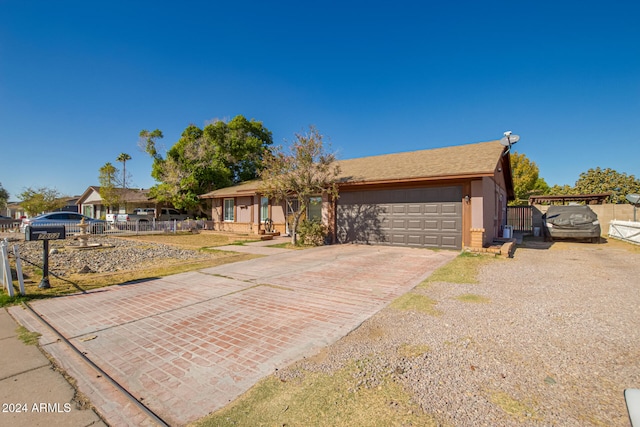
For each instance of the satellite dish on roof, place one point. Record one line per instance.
(633, 198)
(635, 201)
(508, 140)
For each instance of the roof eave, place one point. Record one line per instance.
(466, 176)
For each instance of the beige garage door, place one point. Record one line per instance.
(422, 217)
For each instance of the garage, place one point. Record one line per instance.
(449, 197)
(420, 217)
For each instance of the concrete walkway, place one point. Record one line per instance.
(189, 344)
(31, 392)
(258, 248)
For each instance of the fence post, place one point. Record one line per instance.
(7, 279)
(16, 253)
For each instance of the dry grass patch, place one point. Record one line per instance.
(463, 269)
(26, 336)
(204, 239)
(411, 351)
(317, 399)
(416, 302)
(472, 298)
(289, 245)
(517, 409)
(84, 282)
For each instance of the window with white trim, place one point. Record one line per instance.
(229, 210)
(264, 208)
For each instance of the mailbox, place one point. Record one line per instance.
(44, 232)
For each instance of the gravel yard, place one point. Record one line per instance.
(117, 254)
(554, 342)
(551, 337)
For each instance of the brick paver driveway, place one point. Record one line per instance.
(188, 344)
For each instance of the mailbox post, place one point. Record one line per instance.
(44, 234)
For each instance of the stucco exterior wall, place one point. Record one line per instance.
(277, 212)
(247, 215)
(244, 211)
(488, 207)
(477, 203)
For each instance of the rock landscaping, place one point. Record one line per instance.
(116, 254)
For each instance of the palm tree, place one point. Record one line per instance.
(123, 157)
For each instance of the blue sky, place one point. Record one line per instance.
(79, 80)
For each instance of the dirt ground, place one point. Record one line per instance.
(550, 337)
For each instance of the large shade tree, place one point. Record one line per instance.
(220, 155)
(526, 179)
(607, 180)
(303, 171)
(39, 200)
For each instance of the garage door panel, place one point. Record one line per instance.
(399, 209)
(450, 208)
(431, 224)
(415, 224)
(398, 239)
(449, 224)
(409, 217)
(449, 242)
(431, 241)
(432, 209)
(414, 209)
(414, 240)
(400, 224)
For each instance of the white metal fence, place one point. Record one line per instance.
(9, 224)
(148, 227)
(6, 275)
(133, 227)
(625, 230)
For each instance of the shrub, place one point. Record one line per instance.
(311, 233)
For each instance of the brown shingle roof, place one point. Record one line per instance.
(480, 159)
(246, 188)
(130, 195)
(462, 160)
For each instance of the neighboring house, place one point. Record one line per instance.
(450, 197)
(70, 205)
(14, 210)
(91, 204)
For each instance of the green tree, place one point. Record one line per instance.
(564, 190)
(4, 197)
(124, 158)
(43, 199)
(221, 154)
(148, 140)
(109, 191)
(526, 179)
(607, 181)
(304, 171)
